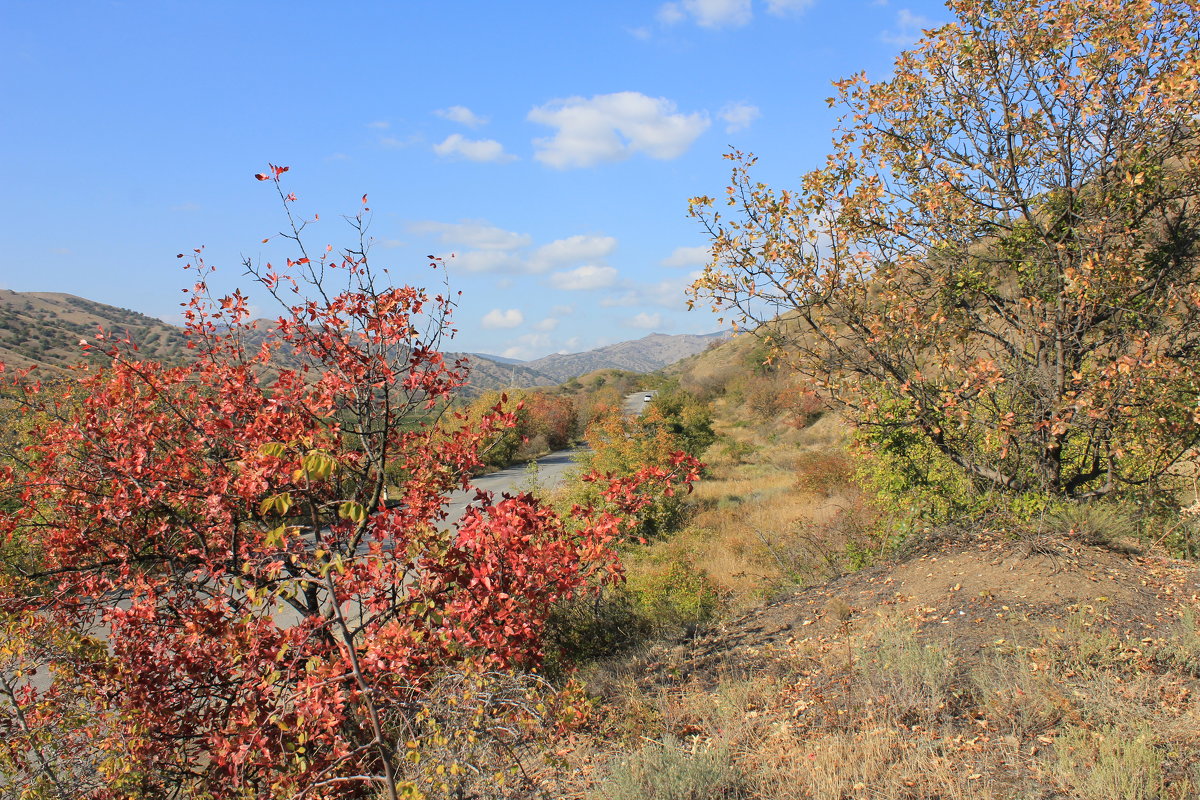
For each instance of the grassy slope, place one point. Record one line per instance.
(988, 664)
(44, 329)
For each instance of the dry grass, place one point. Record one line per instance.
(974, 668)
(907, 715)
(783, 519)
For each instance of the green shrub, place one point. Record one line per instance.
(674, 598)
(588, 629)
(1102, 524)
(668, 770)
(657, 600)
(1110, 764)
(916, 677)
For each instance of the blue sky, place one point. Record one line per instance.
(550, 146)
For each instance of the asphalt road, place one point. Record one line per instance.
(636, 402)
(551, 471)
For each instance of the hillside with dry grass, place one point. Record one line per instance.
(45, 328)
(804, 649)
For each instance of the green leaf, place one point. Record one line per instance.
(355, 512)
(317, 465)
(279, 503)
(273, 449)
(274, 538)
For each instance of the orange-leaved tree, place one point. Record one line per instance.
(998, 261)
(273, 621)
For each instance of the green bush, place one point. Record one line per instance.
(1101, 524)
(674, 598)
(588, 629)
(668, 770)
(1110, 763)
(657, 600)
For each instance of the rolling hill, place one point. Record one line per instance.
(44, 329)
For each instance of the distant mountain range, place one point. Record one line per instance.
(647, 354)
(44, 329)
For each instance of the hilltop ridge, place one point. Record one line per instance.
(44, 329)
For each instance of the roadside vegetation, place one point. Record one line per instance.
(928, 529)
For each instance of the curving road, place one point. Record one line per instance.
(636, 402)
(551, 471)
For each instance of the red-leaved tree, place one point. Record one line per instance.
(274, 617)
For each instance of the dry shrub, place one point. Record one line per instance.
(879, 763)
(1110, 764)
(1099, 524)
(823, 472)
(1017, 700)
(836, 537)
(485, 734)
(671, 770)
(910, 678)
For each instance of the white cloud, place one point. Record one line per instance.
(707, 13)
(379, 125)
(396, 143)
(907, 30)
(462, 115)
(613, 127)
(670, 14)
(687, 257)
(586, 277)
(481, 150)
(562, 311)
(485, 261)
(645, 321)
(509, 318)
(739, 116)
(548, 324)
(389, 244)
(783, 8)
(670, 293)
(571, 250)
(526, 346)
(473, 233)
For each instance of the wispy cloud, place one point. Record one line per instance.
(488, 248)
(687, 257)
(669, 294)
(785, 8)
(738, 116)
(397, 143)
(613, 127)
(585, 278)
(462, 115)
(646, 322)
(472, 233)
(508, 318)
(571, 250)
(907, 29)
(528, 345)
(707, 13)
(485, 151)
